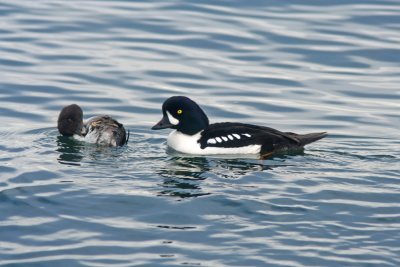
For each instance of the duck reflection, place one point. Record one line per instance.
(236, 169)
(183, 176)
(70, 151)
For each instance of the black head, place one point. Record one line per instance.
(183, 114)
(70, 120)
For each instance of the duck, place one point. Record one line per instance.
(101, 130)
(193, 134)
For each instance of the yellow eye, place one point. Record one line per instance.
(179, 111)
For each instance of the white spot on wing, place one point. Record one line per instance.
(236, 136)
(211, 141)
(224, 138)
(172, 119)
(219, 140)
(230, 137)
(246, 134)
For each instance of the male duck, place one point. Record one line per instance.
(102, 130)
(194, 135)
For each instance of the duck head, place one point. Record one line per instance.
(70, 121)
(183, 114)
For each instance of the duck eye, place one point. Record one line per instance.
(179, 111)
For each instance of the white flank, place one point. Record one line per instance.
(246, 134)
(219, 140)
(188, 144)
(230, 137)
(236, 136)
(224, 138)
(171, 119)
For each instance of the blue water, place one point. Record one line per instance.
(299, 66)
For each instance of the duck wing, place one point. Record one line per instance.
(106, 130)
(228, 134)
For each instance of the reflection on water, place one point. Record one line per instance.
(70, 150)
(183, 175)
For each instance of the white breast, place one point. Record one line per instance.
(188, 144)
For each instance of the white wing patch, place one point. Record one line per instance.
(236, 136)
(229, 137)
(211, 141)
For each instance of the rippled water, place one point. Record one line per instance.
(299, 66)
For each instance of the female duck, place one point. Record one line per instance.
(194, 135)
(102, 130)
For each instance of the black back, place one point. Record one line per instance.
(268, 138)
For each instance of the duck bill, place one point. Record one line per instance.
(163, 124)
(83, 131)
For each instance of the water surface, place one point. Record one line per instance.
(299, 66)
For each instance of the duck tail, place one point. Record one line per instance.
(127, 137)
(311, 137)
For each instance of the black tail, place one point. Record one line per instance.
(311, 137)
(127, 137)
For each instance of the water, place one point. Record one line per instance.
(298, 66)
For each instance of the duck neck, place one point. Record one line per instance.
(194, 125)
